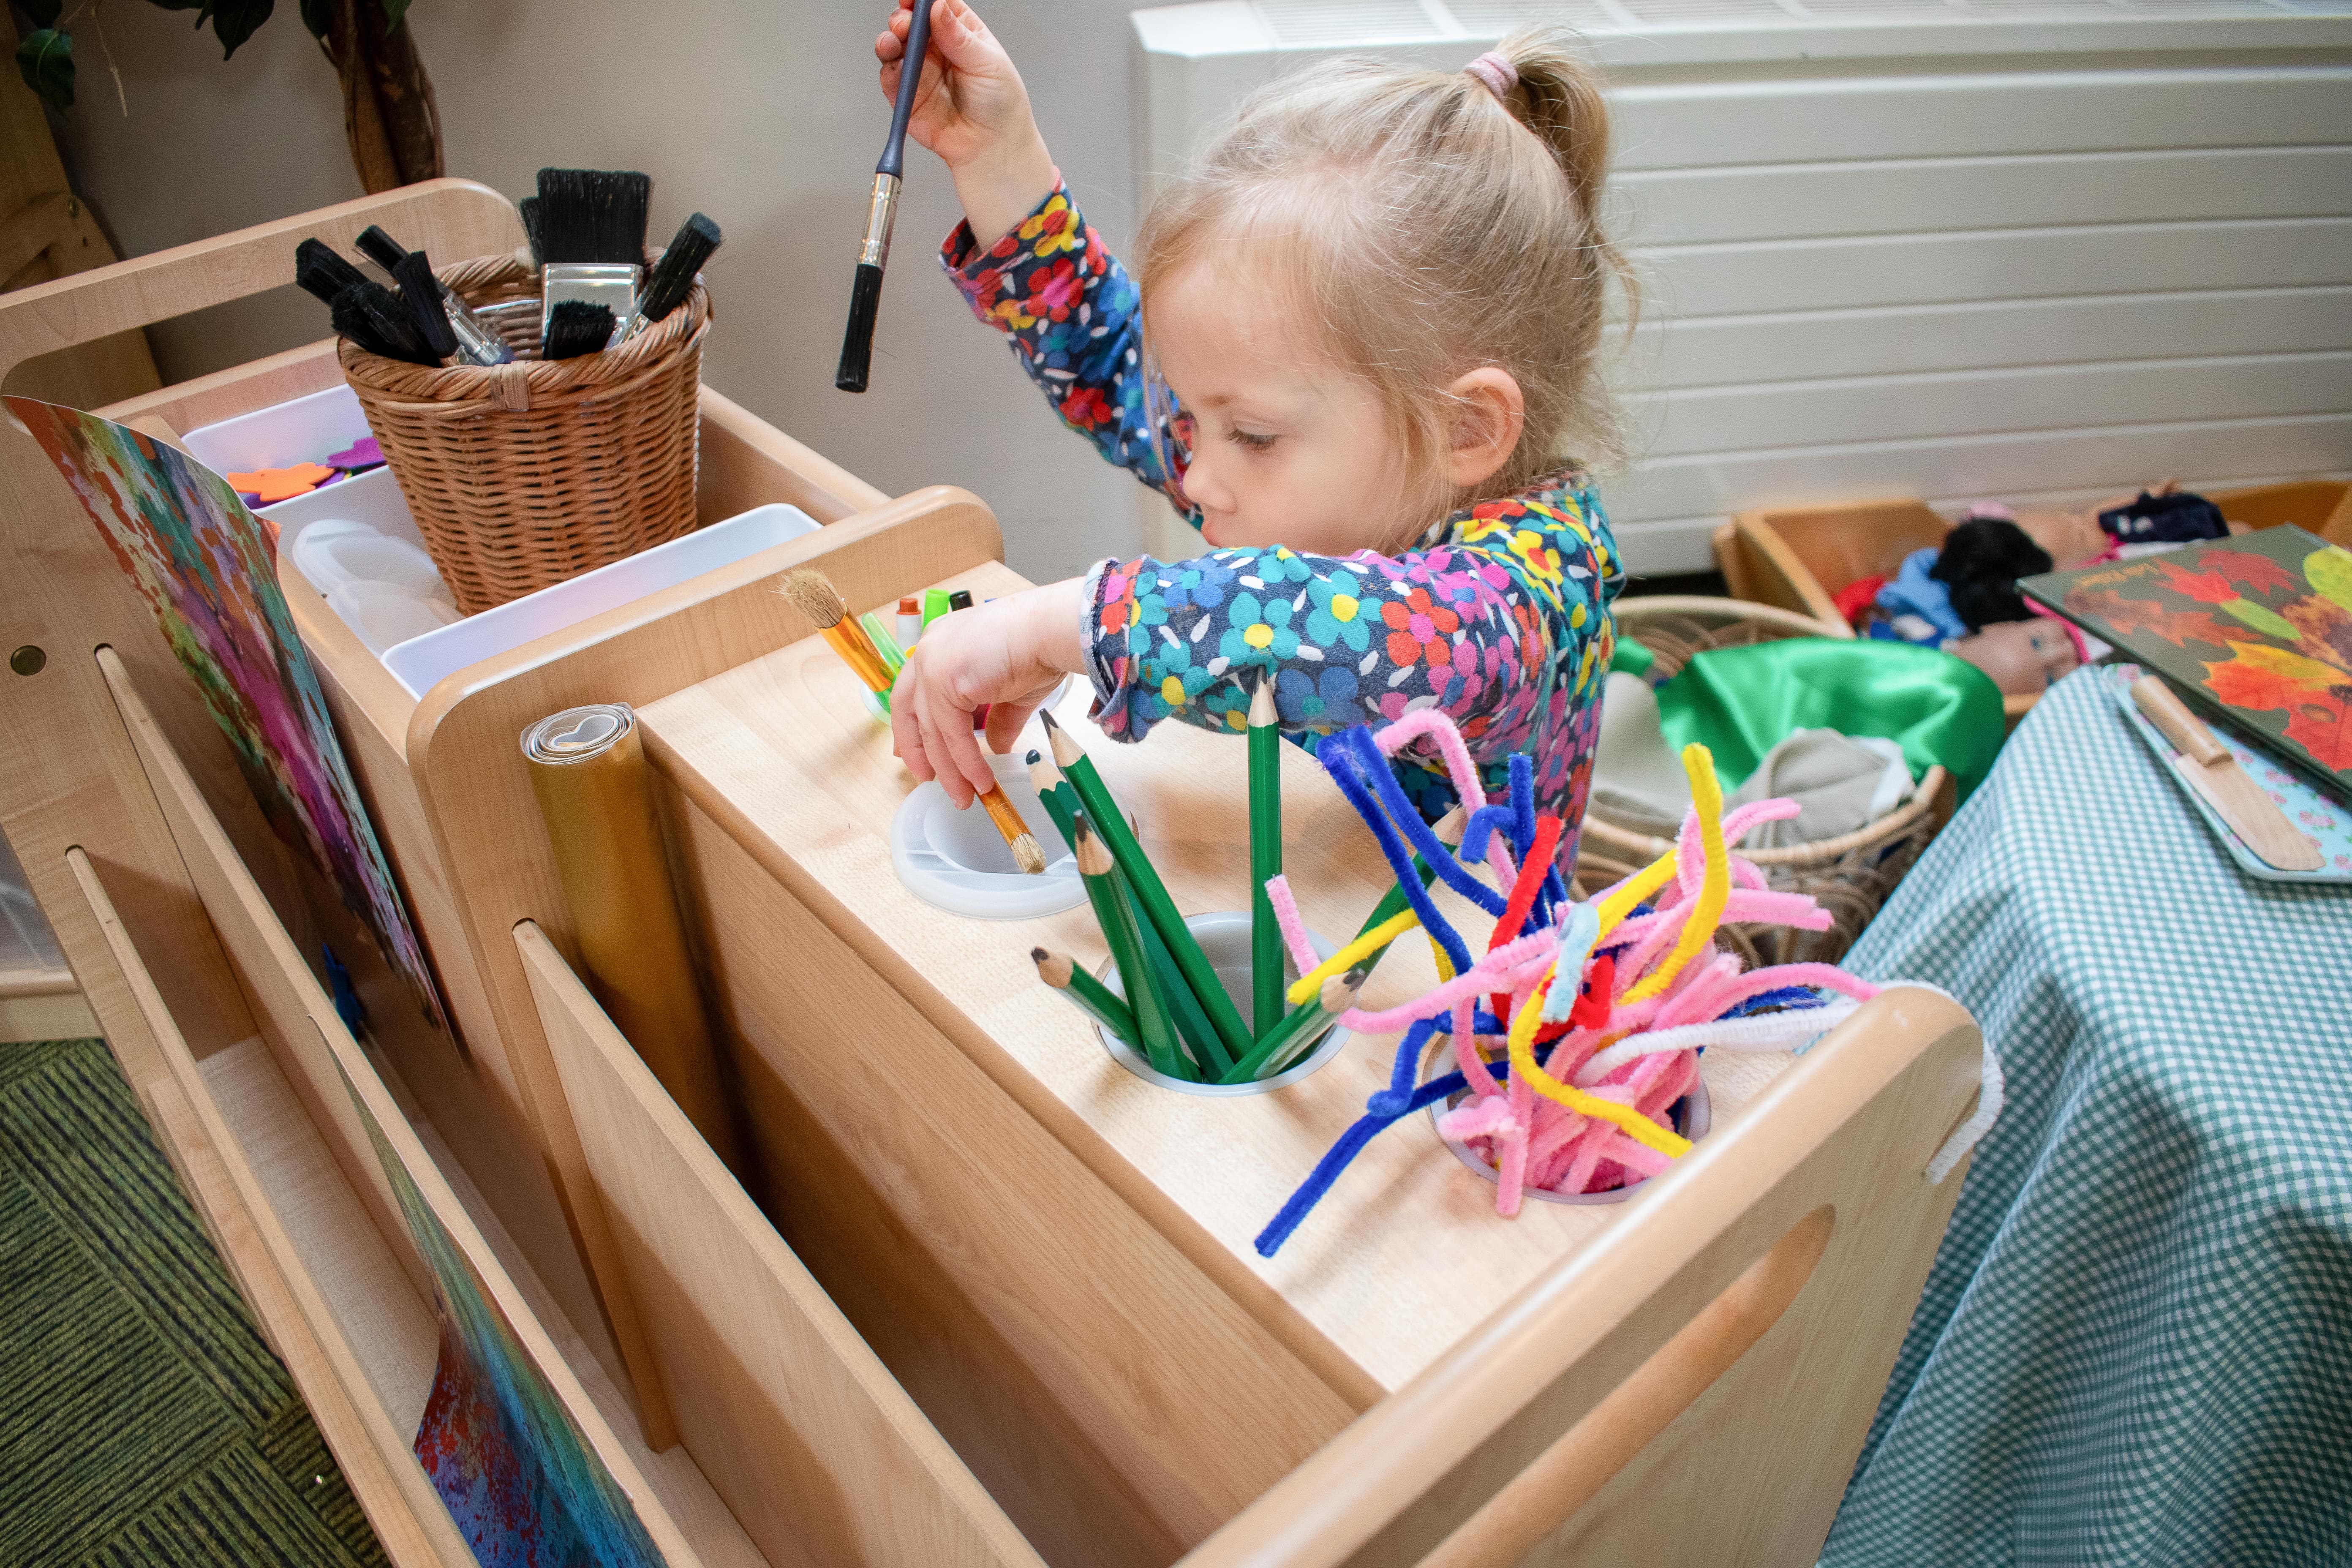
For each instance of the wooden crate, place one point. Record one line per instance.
(1798, 557)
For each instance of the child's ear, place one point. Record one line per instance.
(1489, 412)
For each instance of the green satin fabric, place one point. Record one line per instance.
(1739, 702)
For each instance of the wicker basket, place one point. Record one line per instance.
(520, 476)
(1850, 875)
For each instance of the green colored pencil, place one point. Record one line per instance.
(1155, 1028)
(1060, 801)
(1266, 854)
(1057, 970)
(1199, 1035)
(1301, 1023)
(1152, 894)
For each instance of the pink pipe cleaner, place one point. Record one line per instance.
(1294, 930)
(1430, 724)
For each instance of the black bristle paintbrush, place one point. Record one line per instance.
(592, 239)
(371, 316)
(476, 343)
(380, 248)
(882, 211)
(574, 328)
(322, 274)
(672, 278)
(421, 292)
(527, 210)
(593, 215)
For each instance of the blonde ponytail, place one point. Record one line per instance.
(1428, 222)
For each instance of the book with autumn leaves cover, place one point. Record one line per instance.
(2256, 629)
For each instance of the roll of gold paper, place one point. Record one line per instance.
(588, 770)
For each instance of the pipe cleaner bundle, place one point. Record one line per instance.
(1579, 1028)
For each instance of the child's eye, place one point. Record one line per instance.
(1252, 440)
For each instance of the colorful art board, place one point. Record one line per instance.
(2257, 630)
(528, 1485)
(207, 569)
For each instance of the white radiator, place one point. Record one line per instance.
(1945, 249)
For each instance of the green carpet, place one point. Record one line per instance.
(142, 1418)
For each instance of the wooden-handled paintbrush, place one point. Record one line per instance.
(812, 593)
(881, 212)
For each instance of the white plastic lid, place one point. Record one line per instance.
(957, 861)
(385, 615)
(334, 551)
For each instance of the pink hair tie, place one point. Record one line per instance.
(1498, 73)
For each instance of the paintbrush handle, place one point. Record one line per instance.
(1005, 815)
(910, 78)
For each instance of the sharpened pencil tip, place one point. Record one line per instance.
(1028, 855)
(1263, 709)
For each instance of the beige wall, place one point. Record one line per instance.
(764, 115)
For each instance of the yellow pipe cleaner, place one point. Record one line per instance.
(1634, 1125)
(1715, 884)
(1339, 962)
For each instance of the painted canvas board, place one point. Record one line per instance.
(526, 1486)
(207, 568)
(2255, 630)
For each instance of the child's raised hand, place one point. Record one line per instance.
(1010, 654)
(972, 108)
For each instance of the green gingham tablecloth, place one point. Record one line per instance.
(2135, 1345)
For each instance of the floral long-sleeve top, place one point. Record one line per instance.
(1499, 615)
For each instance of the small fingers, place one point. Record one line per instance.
(1005, 721)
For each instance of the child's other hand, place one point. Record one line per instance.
(1008, 653)
(971, 110)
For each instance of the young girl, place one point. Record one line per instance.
(1374, 310)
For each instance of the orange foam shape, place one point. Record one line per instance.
(274, 485)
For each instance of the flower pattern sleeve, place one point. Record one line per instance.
(1073, 317)
(1502, 622)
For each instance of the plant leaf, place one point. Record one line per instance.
(43, 13)
(393, 10)
(318, 15)
(233, 21)
(45, 61)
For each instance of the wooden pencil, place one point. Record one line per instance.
(1059, 799)
(1266, 854)
(1299, 1029)
(1198, 1036)
(1152, 894)
(1059, 971)
(1155, 1030)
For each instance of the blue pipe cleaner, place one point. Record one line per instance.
(1374, 767)
(1343, 1153)
(1523, 805)
(1352, 785)
(1482, 825)
(1796, 998)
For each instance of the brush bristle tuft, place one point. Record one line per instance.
(1028, 855)
(421, 292)
(673, 276)
(380, 248)
(857, 340)
(814, 596)
(322, 274)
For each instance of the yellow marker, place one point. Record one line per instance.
(1311, 982)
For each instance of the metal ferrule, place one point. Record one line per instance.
(881, 212)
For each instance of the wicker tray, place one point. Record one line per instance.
(1850, 875)
(520, 476)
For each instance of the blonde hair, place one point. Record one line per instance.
(1429, 227)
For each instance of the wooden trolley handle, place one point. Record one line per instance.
(451, 217)
(1587, 1456)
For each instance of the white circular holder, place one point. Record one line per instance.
(1693, 1113)
(957, 861)
(1224, 938)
